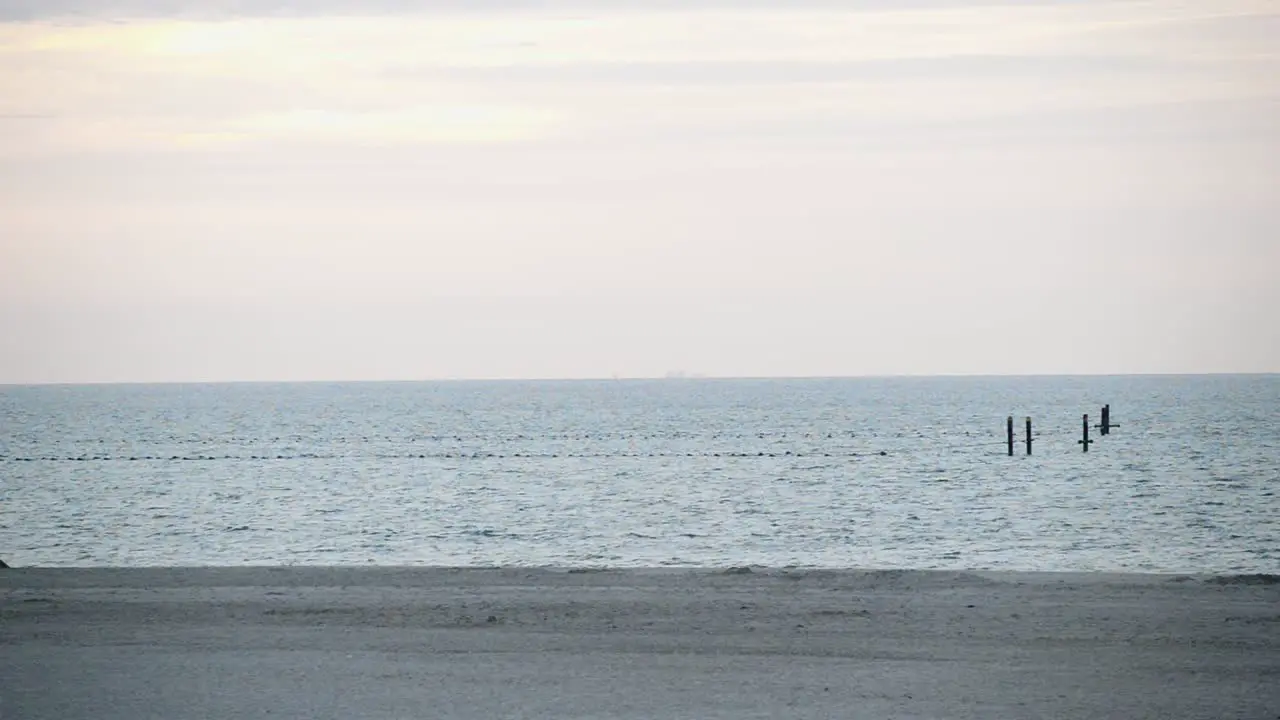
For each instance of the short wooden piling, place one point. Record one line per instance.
(1008, 426)
(1106, 419)
(1028, 434)
(1085, 441)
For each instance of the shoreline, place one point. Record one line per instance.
(373, 574)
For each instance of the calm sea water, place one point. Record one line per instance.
(826, 473)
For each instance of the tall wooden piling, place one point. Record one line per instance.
(1085, 441)
(1008, 426)
(1028, 434)
(1106, 419)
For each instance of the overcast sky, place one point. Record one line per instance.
(400, 190)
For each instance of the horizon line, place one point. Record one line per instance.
(638, 378)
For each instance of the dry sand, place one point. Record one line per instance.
(446, 643)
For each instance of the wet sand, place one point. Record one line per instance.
(546, 643)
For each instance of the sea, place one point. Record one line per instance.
(823, 473)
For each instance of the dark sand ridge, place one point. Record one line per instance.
(456, 643)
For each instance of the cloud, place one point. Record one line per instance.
(441, 124)
(785, 72)
(90, 10)
(526, 77)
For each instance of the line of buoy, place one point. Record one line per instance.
(365, 439)
(435, 456)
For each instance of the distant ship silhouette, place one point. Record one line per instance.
(682, 375)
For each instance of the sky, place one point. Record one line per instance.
(333, 190)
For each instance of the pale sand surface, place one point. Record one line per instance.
(516, 643)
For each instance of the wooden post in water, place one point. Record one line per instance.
(1008, 426)
(1085, 441)
(1028, 434)
(1106, 419)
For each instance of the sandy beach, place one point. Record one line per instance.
(548, 643)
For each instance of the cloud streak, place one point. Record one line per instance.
(27, 10)
(528, 77)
